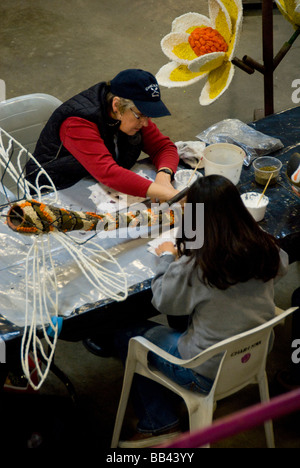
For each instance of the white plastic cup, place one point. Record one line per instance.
(224, 159)
(251, 200)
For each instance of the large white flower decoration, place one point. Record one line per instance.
(291, 10)
(201, 47)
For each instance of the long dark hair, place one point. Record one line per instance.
(235, 248)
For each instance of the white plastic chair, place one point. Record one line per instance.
(24, 117)
(243, 363)
(2, 90)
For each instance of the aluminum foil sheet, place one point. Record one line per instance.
(74, 288)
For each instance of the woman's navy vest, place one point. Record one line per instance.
(60, 165)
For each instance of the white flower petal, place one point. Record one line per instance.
(174, 75)
(217, 83)
(235, 11)
(189, 20)
(170, 41)
(236, 36)
(207, 62)
(220, 19)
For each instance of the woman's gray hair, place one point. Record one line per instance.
(123, 105)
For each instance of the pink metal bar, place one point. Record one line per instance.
(239, 422)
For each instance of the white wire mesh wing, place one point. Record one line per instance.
(13, 159)
(96, 265)
(40, 308)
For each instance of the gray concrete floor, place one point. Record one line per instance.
(61, 48)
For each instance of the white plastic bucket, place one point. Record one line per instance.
(224, 159)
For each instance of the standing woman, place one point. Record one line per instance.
(224, 288)
(102, 131)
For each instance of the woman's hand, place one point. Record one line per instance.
(163, 178)
(166, 246)
(161, 191)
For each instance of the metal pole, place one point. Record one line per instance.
(267, 18)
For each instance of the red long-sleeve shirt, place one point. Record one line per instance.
(83, 140)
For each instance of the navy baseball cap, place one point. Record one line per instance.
(142, 88)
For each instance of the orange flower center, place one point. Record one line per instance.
(206, 40)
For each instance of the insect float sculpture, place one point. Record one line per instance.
(35, 214)
(34, 217)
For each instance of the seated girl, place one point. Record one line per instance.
(224, 288)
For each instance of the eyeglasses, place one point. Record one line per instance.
(138, 116)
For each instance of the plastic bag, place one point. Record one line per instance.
(191, 152)
(234, 131)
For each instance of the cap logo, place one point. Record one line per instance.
(154, 89)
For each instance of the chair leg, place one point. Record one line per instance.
(265, 397)
(269, 434)
(127, 381)
(200, 416)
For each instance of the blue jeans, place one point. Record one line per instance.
(155, 405)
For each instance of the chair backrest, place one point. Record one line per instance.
(244, 357)
(2, 90)
(23, 118)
